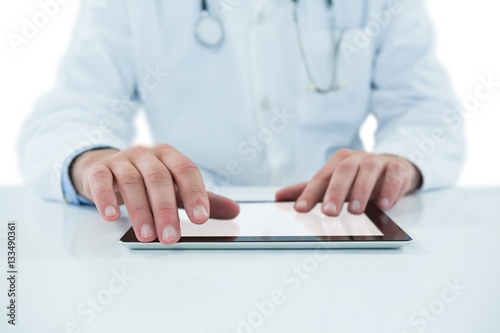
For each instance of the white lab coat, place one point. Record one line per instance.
(242, 111)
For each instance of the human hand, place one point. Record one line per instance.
(152, 183)
(356, 176)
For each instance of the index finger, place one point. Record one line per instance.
(189, 181)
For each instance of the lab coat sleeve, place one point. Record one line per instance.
(92, 103)
(412, 97)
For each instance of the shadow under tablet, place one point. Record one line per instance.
(276, 225)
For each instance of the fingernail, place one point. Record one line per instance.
(169, 233)
(146, 231)
(355, 205)
(301, 204)
(330, 208)
(109, 211)
(200, 213)
(384, 203)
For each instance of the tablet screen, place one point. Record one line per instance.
(278, 225)
(280, 219)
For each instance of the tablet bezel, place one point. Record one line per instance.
(393, 237)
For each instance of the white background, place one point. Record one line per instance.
(468, 45)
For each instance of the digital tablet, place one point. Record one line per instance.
(276, 225)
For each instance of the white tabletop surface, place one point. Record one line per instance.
(68, 260)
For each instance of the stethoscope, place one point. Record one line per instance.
(209, 31)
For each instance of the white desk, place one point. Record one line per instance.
(68, 256)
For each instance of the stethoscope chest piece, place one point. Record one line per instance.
(209, 30)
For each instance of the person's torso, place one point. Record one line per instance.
(243, 110)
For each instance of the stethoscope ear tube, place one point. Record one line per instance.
(204, 6)
(313, 85)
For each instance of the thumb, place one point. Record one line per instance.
(291, 193)
(222, 207)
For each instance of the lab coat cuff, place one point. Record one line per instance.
(69, 191)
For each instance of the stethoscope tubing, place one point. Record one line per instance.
(211, 40)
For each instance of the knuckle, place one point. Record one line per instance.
(347, 166)
(394, 166)
(129, 178)
(195, 192)
(185, 167)
(407, 170)
(102, 194)
(362, 191)
(165, 154)
(157, 175)
(166, 210)
(139, 211)
(396, 171)
(138, 150)
(393, 185)
(164, 147)
(97, 172)
(343, 152)
(337, 189)
(371, 163)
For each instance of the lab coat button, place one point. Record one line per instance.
(261, 18)
(265, 104)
